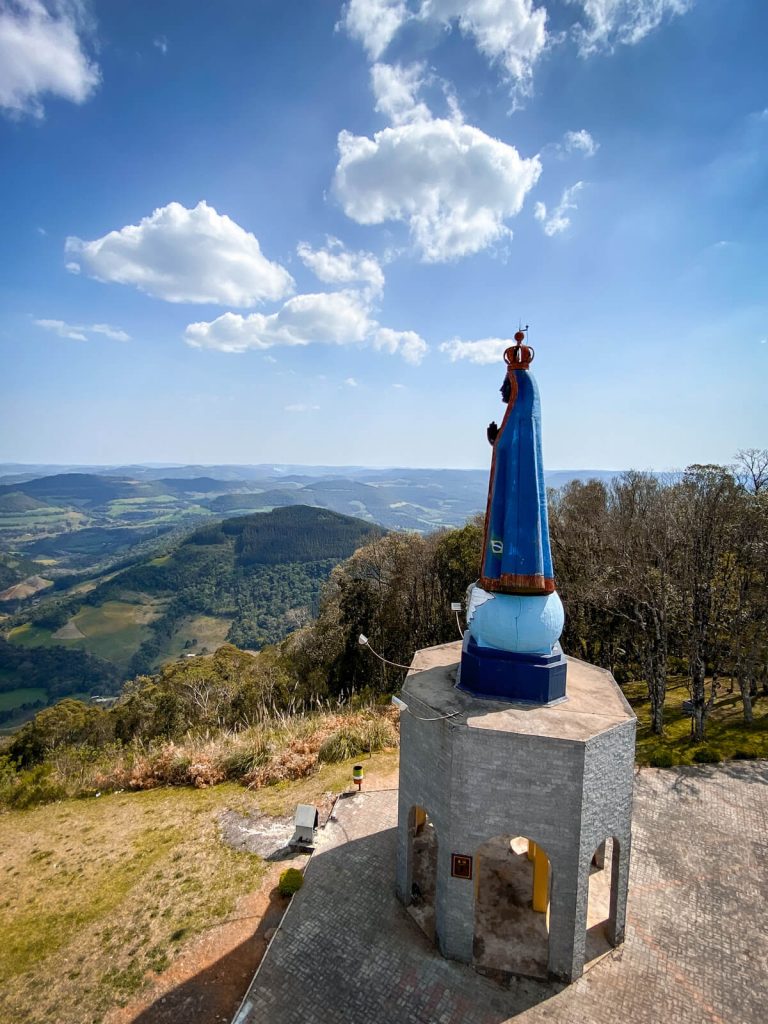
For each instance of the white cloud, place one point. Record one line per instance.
(558, 220)
(41, 52)
(374, 23)
(395, 88)
(407, 344)
(622, 22)
(399, 387)
(335, 264)
(580, 141)
(334, 318)
(73, 268)
(301, 407)
(80, 332)
(161, 43)
(351, 382)
(451, 183)
(509, 33)
(483, 352)
(186, 255)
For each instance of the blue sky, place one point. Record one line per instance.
(251, 231)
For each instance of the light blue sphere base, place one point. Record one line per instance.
(523, 624)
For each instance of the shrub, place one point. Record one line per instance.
(290, 882)
(378, 734)
(745, 755)
(341, 745)
(707, 755)
(33, 787)
(662, 759)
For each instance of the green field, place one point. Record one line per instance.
(31, 636)
(112, 631)
(24, 695)
(209, 631)
(115, 629)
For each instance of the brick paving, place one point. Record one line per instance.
(697, 930)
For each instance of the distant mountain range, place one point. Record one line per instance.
(86, 517)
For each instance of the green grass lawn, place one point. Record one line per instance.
(24, 695)
(727, 735)
(98, 895)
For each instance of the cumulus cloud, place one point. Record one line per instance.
(407, 344)
(351, 382)
(453, 185)
(558, 219)
(335, 264)
(581, 142)
(483, 352)
(396, 88)
(374, 23)
(510, 34)
(622, 22)
(41, 53)
(186, 255)
(333, 318)
(80, 332)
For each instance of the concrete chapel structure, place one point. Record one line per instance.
(516, 762)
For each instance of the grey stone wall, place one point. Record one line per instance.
(476, 783)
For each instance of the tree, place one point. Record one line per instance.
(710, 503)
(751, 469)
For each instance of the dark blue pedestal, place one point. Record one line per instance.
(503, 675)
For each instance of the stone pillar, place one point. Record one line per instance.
(619, 888)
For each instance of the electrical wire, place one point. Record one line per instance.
(386, 661)
(439, 718)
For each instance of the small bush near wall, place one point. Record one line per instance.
(290, 882)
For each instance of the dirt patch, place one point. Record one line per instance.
(69, 631)
(257, 833)
(19, 591)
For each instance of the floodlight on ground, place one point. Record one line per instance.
(362, 639)
(399, 704)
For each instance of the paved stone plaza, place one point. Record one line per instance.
(697, 926)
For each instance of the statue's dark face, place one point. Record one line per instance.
(506, 390)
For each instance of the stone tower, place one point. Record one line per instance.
(516, 762)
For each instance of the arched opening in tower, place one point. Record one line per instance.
(512, 886)
(423, 853)
(602, 872)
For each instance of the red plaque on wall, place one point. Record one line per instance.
(461, 865)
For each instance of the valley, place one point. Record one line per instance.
(114, 571)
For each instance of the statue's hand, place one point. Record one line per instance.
(492, 432)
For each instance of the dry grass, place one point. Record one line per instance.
(100, 894)
(279, 750)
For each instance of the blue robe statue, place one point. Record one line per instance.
(516, 553)
(514, 614)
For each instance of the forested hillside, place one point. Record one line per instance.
(249, 581)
